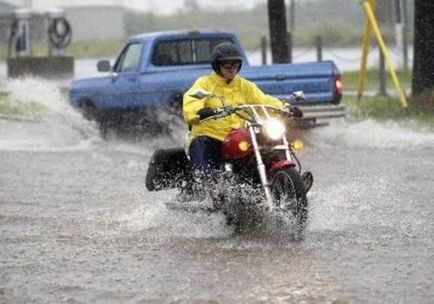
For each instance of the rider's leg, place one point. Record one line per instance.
(204, 155)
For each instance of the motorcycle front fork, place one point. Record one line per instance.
(261, 168)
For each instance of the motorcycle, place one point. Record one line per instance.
(257, 157)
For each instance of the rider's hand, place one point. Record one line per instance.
(294, 111)
(226, 109)
(206, 112)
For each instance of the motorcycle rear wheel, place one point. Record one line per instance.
(289, 197)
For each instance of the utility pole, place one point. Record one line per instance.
(279, 37)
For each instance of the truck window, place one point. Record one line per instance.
(129, 59)
(185, 51)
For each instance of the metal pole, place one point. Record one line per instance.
(264, 50)
(405, 34)
(289, 47)
(371, 17)
(382, 67)
(318, 48)
(365, 50)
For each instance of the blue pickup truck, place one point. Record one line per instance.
(154, 69)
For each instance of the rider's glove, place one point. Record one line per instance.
(226, 110)
(206, 112)
(294, 111)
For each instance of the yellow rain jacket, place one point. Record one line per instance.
(239, 91)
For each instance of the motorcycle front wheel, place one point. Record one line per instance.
(289, 197)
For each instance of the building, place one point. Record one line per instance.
(87, 22)
(96, 22)
(6, 11)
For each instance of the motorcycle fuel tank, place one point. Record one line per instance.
(236, 145)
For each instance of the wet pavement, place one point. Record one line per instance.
(78, 226)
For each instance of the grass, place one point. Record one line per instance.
(103, 48)
(383, 108)
(12, 107)
(372, 79)
(386, 107)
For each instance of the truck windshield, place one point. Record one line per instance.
(129, 59)
(185, 51)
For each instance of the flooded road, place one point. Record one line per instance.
(78, 226)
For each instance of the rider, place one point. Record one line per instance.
(206, 137)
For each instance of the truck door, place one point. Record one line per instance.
(123, 87)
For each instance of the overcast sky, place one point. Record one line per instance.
(155, 6)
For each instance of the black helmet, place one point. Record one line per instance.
(225, 51)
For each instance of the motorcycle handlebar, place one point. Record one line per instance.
(224, 111)
(219, 112)
(297, 97)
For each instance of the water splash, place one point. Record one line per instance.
(355, 203)
(151, 215)
(372, 134)
(46, 122)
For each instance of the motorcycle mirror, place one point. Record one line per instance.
(201, 94)
(299, 96)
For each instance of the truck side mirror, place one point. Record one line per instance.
(103, 66)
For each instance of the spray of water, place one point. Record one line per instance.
(46, 121)
(150, 216)
(56, 126)
(372, 134)
(344, 205)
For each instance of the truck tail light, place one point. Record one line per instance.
(339, 85)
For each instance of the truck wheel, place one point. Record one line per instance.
(104, 127)
(87, 109)
(175, 104)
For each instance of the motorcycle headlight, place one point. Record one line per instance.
(274, 128)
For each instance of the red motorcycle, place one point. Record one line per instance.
(259, 170)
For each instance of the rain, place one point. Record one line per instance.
(77, 224)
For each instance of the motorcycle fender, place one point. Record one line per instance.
(278, 165)
(168, 169)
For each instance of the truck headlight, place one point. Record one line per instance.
(274, 128)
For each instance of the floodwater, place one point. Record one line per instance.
(78, 226)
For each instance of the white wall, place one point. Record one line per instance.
(154, 6)
(91, 22)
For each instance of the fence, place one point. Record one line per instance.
(317, 47)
